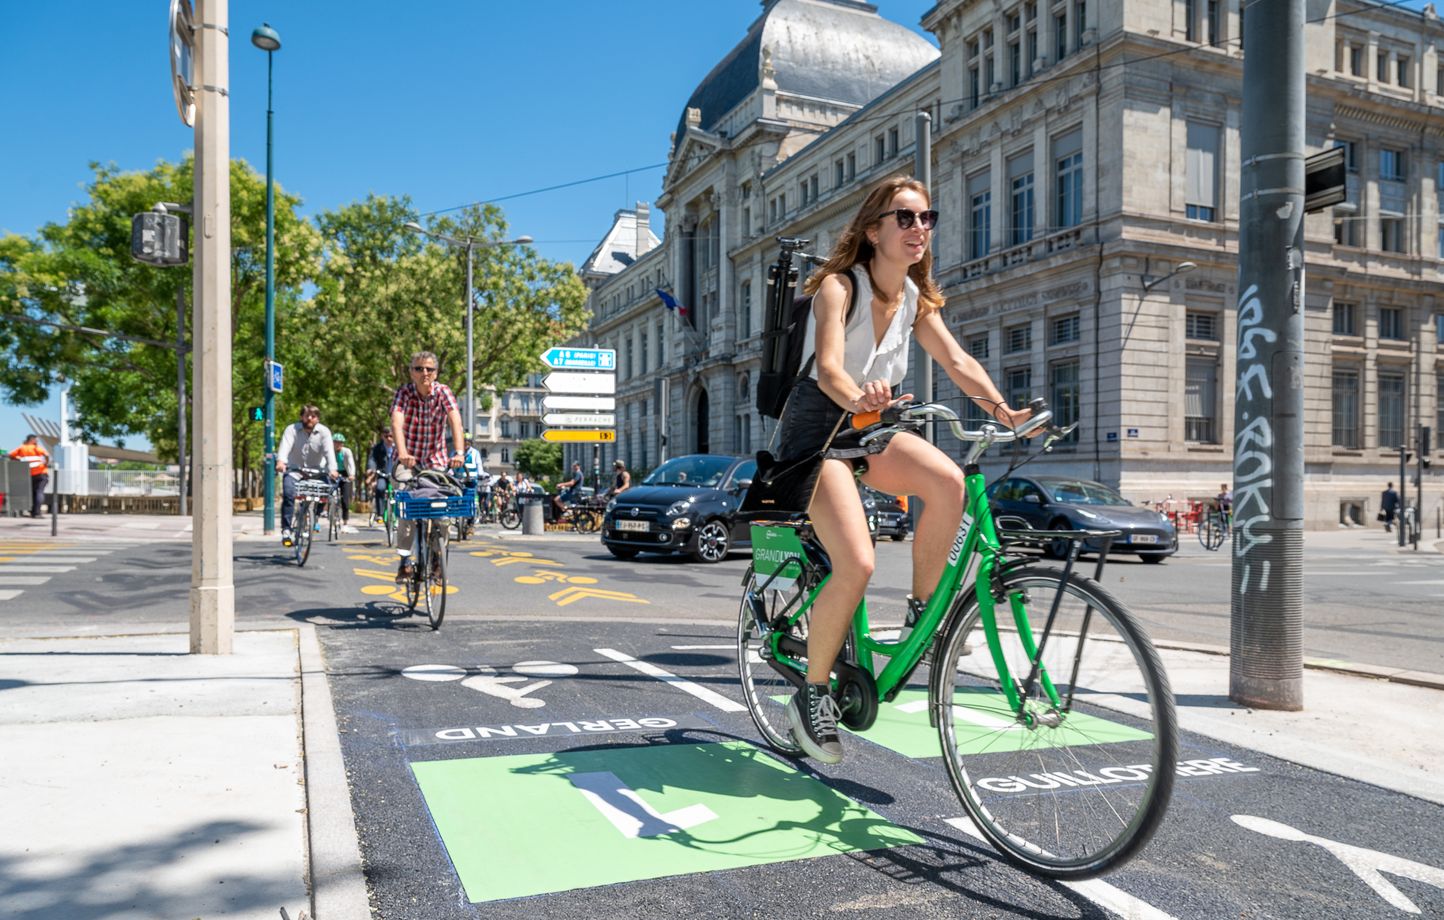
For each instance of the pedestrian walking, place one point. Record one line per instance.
(346, 466)
(39, 459)
(1388, 507)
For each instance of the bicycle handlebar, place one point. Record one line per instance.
(910, 416)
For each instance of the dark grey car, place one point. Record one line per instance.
(1065, 503)
(687, 505)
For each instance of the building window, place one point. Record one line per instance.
(839, 175)
(1346, 408)
(1439, 412)
(1015, 62)
(1351, 161)
(1345, 318)
(1391, 164)
(1080, 21)
(851, 166)
(1019, 338)
(1391, 323)
(1200, 325)
(1381, 66)
(1391, 408)
(744, 313)
(661, 346)
(1200, 401)
(892, 143)
(1018, 385)
(1391, 234)
(1201, 196)
(1439, 337)
(879, 149)
(815, 186)
(1020, 180)
(978, 344)
(1060, 36)
(980, 216)
(975, 85)
(1064, 396)
(1346, 231)
(1402, 71)
(1068, 157)
(1064, 329)
(1356, 60)
(642, 345)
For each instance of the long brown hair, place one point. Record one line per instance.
(853, 245)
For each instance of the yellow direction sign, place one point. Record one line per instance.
(579, 434)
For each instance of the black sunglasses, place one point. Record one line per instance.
(905, 218)
(423, 370)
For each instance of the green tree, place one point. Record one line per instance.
(539, 459)
(384, 293)
(81, 273)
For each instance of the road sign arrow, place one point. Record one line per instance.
(579, 435)
(555, 403)
(600, 383)
(586, 419)
(580, 359)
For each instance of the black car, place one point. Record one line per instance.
(687, 505)
(885, 514)
(1065, 503)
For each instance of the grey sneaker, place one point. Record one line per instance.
(813, 714)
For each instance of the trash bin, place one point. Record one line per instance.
(533, 512)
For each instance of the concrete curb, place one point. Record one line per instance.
(1374, 671)
(338, 882)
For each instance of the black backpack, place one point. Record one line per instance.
(783, 350)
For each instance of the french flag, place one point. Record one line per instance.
(670, 302)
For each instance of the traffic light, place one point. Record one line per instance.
(258, 413)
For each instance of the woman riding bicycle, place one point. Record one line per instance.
(885, 252)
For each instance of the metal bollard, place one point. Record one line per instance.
(533, 517)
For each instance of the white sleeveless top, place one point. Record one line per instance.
(863, 361)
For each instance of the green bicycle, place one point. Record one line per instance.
(1054, 715)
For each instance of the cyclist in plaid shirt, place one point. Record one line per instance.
(420, 414)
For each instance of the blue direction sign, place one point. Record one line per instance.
(580, 359)
(275, 375)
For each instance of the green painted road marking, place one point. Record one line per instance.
(533, 824)
(984, 725)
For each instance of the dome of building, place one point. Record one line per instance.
(838, 50)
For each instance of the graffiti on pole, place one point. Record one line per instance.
(1252, 445)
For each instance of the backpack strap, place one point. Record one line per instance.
(851, 308)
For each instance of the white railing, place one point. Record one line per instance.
(118, 482)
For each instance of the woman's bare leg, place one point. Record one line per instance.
(841, 526)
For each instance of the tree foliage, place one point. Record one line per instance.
(539, 459)
(356, 295)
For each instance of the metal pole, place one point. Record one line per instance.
(180, 391)
(213, 593)
(1403, 490)
(470, 393)
(1266, 626)
(269, 518)
(55, 495)
(923, 169)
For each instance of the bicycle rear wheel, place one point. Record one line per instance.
(1210, 533)
(510, 518)
(586, 520)
(301, 535)
(1073, 791)
(765, 691)
(434, 577)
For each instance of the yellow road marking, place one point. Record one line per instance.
(572, 595)
(542, 577)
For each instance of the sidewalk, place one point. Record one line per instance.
(138, 528)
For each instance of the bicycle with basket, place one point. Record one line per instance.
(432, 516)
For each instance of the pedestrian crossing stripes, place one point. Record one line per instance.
(32, 563)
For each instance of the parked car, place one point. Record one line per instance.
(1065, 503)
(885, 514)
(687, 505)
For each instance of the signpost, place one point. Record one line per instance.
(275, 375)
(580, 405)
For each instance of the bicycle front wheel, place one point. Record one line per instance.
(1210, 533)
(434, 578)
(1067, 789)
(305, 519)
(587, 521)
(510, 518)
(388, 520)
(765, 691)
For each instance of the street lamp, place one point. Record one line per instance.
(268, 41)
(1149, 283)
(470, 244)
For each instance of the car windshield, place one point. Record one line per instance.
(1082, 492)
(705, 472)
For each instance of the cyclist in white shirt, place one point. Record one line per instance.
(305, 445)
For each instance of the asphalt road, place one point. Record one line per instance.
(571, 744)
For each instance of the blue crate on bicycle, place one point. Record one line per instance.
(450, 506)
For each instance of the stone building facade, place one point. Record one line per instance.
(1082, 152)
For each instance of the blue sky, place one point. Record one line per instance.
(448, 102)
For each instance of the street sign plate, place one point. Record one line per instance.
(601, 383)
(275, 376)
(579, 435)
(554, 403)
(580, 359)
(587, 419)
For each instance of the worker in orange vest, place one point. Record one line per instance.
(32, 453)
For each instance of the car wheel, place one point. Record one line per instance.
(899, 537)
(1058, 548)
(713, 541)
(1153, 559)
(622, 552)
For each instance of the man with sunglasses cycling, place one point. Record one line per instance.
(421, 412)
